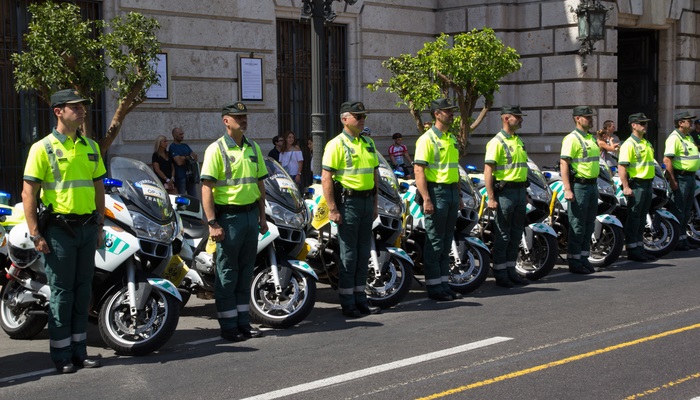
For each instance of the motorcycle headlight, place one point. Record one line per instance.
(538, 193)
(658, 183)
(605, 188)
(469, 201)
(288, 218)
(149, 229)
(388, 207)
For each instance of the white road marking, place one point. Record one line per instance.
(377, 369)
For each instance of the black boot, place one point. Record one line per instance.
(502, 279)
(514, 277)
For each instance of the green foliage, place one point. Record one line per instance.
(64, 51)
(465, 70)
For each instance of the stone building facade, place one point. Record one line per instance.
(649, 62)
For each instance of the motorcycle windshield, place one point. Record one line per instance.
(465, 183)
(141, 187)
(280, 187)
(388, 184)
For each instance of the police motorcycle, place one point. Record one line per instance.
(538, 246)
(390, 268)
(662, 229)
(693, 229)
(137, 311)
(469, 256)
(608, 237)
(283, 290)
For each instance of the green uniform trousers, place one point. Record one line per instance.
(235, 261)
(440, 231)
(510, 223)
(637, 210)
(70, 267)
(355, 239)
(582, 213)
(682, 202)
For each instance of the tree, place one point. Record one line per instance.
(63, 51)
(466, 70)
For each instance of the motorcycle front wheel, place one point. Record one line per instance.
(19, 322)
(392, 284)
(608, 248)
(693, 228)
(149, 331)
(664, 237)
(286, 309)
(541, 259)
(472, 272)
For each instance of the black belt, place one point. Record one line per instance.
(71, 219)
(356, 193)
(444, 185)
(515, 185)
(682, 172)
(234, 208)
(585, 181)
(641, 180)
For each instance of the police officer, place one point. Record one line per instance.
(68, 169)
(681, 160)
(579, 167)
(636, 171)
(505, 175)
(349, 179)
(233, 198)
(437, 176)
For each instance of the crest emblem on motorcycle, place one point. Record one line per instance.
(59, 153)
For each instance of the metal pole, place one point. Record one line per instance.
(318, 130)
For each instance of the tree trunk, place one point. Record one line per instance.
(125, 106)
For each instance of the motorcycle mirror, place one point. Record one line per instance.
(112, 183)
(5, 198)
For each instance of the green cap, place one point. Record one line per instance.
(637, 117)
(513, 110)
(441, 104)
(583, 111)
(683, 115)
(236, 108)
(66, 96)
(354, 107)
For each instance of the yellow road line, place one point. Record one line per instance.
(666, 386)
(557, 363)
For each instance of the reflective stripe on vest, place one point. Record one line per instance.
(348, 160)
(59, 183)
(230, 181)
(685, 149)
(438, 146)
(585, 157)
(509, 157)
(639, 162)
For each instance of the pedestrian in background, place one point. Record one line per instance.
(278, 144)
(580, 166)
(681, 160)
(505, 176)
(609, 143)
(181, 153)
(349, 179)
(399, 158)
(636, 171)
(233, 199)
(291, 158)
(163, 165)
(437, 180)
(68, 169)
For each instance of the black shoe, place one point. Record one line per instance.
(682, 247)
(454, 295)
(249, 332)
(587, 265)
(516, 279)
(692, 246)
(441, 296)
(504, 283)
(352, 312)
(366, 309)
(87, 363)
(579, 269)
(637, 257)
(65, 367)
(232, 335)
(650, 257)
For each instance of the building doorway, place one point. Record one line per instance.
(638, 80)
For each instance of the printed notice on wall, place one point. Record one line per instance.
(250, 80)
(159, 91)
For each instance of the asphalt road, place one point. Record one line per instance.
(631, 331)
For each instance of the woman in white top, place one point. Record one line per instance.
(291, 157)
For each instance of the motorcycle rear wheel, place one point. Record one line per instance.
(664, 240)
(19, 324)
(155, 325)
(471, 274)
(693, 228)
(281, 311)
(608, 248)
(393, 283)
(541, 259)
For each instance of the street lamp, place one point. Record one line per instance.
(318, 12)
(591, 25)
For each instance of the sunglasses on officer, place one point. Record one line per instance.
(359, 117)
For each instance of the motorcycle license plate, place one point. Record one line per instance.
(176, 270)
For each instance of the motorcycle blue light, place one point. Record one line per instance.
(108, 182)
(5, 211)
(399, 174)
(182, 201)
(470, 167)
(5, 198)
(311, 191)
(476, 181)
(547, 175)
